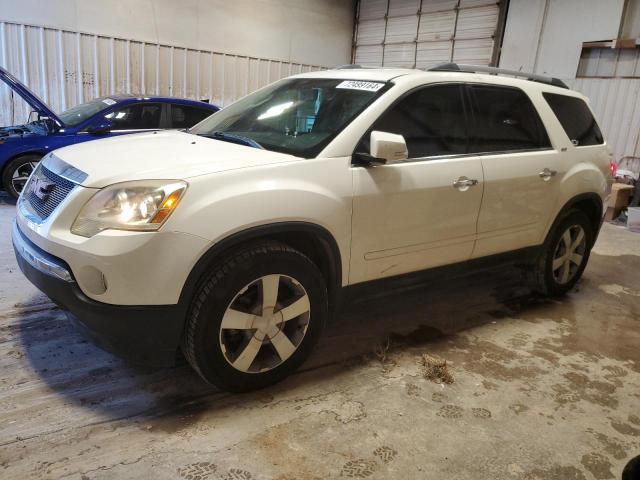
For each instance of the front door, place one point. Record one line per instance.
(422, 212)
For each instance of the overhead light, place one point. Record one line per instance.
(276, 110)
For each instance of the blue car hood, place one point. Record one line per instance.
(28, 96)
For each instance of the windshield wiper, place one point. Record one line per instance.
(233, 138)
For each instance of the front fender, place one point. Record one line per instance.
(314, 192)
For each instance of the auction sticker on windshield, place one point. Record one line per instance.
(359, 85)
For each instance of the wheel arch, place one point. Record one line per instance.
(313, 240)
(7, 162)
(588, 203)
(18, 155)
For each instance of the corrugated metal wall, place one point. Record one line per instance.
(420, 33)
(66, 68)
(616, 103)
(609, 62)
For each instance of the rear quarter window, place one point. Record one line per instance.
(185, 116)
(576, 119)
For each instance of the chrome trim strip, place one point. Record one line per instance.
(467, 155)
(26, 211)
(63, 169)
(36, 259)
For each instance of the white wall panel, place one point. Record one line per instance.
(66, 68)
(546, 36)
(609, 62)
(299, 31)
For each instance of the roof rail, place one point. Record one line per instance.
(349, 66)
(454, 67)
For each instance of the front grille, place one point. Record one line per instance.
(61, 188)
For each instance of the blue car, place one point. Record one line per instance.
(22, 146)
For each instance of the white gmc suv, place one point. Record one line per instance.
(235, 241)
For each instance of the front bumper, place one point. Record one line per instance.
(147, 334)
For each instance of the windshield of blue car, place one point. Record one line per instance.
(78, 114)
(297, 116)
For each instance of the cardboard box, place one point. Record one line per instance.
(620, 195)
(611, 214)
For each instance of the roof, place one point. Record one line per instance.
(498, 77)
(121, 97)
(382, 74)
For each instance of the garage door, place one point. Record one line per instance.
(421, 33)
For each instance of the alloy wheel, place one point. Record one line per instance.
(265, 323)
(569, 254)
(21, 175)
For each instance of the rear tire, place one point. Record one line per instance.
(564, 256)
(255, 317)
(16, 172)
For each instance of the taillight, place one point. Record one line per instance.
(613, 168)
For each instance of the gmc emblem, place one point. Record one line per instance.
(41, 188)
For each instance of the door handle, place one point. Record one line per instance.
(547, 173)
(463, 183)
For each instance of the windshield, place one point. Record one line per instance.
(295, 116)
(78, 114)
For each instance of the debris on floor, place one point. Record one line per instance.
(382, 353)
(436, 369)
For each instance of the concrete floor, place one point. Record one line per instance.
(544, 389)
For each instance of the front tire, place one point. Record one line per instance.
(564, 256)
(255, 317)
(16, 173)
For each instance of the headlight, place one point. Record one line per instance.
(141, 205)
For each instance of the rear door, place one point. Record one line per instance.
(416, 214)
(521, 169)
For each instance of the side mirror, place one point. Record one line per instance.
(388, 147)
(100, 127)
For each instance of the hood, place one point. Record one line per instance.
(28, 96)
(169, 155)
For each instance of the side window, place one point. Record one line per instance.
(505, 120)
(576, 119)
(431, 120)
(137, 116)
(183, 116)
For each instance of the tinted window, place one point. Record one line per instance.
(576, 119)
(432, 122)
(183, 116)
(78, 114)
(138, 116)
(505, 120)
